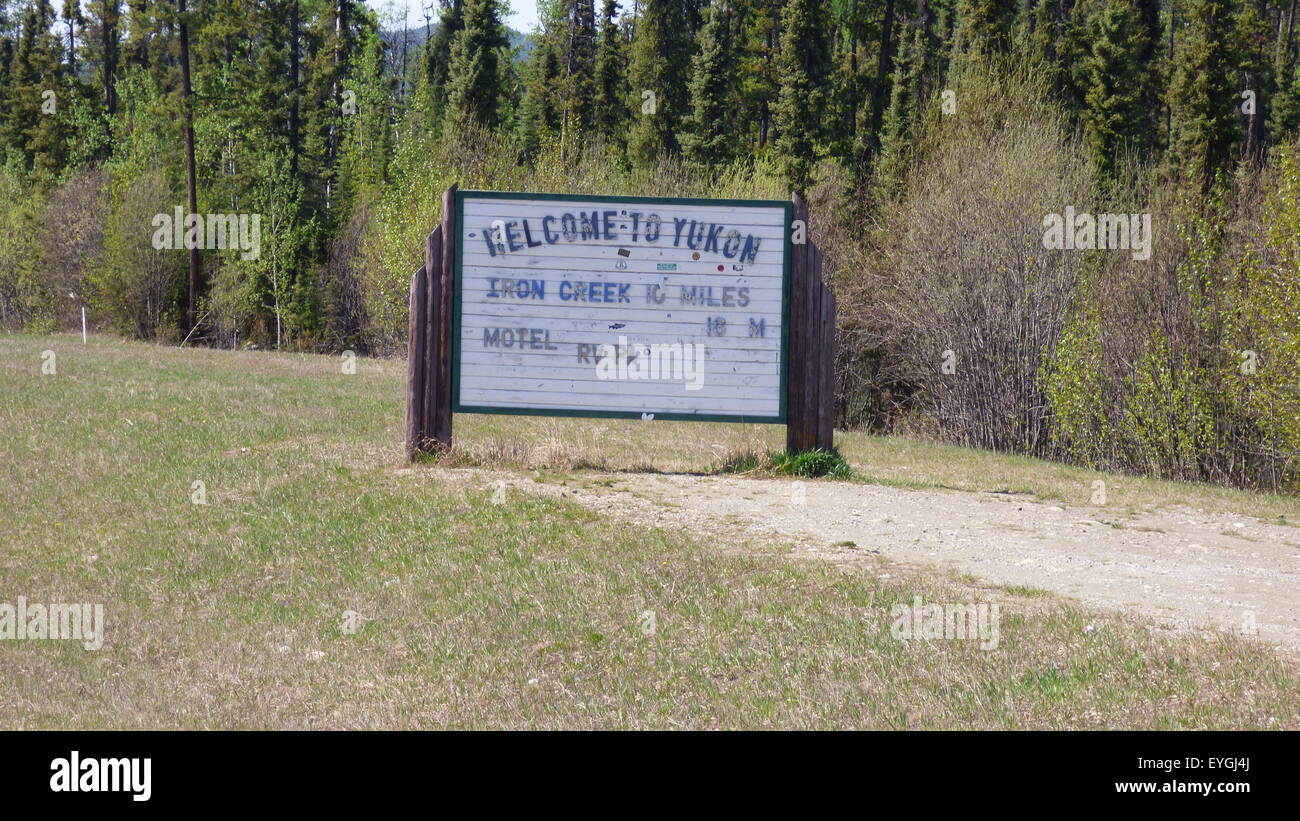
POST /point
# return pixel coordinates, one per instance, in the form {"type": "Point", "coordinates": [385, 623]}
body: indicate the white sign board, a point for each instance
{"type": "Point", "coordinates": [621, 306]}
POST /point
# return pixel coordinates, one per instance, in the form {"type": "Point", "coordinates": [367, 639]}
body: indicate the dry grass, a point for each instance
{"type": "Point", "coordinates": [527, 613]}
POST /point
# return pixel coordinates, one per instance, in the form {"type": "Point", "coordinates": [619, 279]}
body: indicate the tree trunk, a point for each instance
{"type": "Point", "coordinates": [294, 49]}
{"type": "Point", "coordinates": [187, 111]}
{"type": "Point", "coordinates": [882, 71]}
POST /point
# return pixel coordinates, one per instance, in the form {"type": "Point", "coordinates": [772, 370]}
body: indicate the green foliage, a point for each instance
{"type": "Point", "coordinates": [133, 285]}
{"type": "Point", "coordinates": [1072, 384]}
{"type": "Point", "coordinates": [610, 109]}
{"type": "Point", "coordinates": [436, 62]}
{"type": "Point", "coordinates": [1202, 98]}
{"type": "Point", "coordinates": [1113, 118]}
{"type": "Point", "coordinates": [657, 80]}
{"type": "Point", "coordinates": [26, 300]}
{"type": "Point", "coordinates": [985, 27]}
{"type": "Point", "coordinates": [904, 110]}
{"type": "Point", "coordinates": [710, 126]}
{"type": "Point", "coordinates": [812, 464]}
{"type": "Point", "coordinates": [474, 79]}
{"type": "Point", "coordinates": [807, 464]}
{"type": "Point", "coordinates": [805, 70]}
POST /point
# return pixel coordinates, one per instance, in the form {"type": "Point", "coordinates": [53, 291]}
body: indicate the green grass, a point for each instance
{"type": "Point", "coordinates": [519, 612]}
{"type": "Point", "coordinates": [809, 464]}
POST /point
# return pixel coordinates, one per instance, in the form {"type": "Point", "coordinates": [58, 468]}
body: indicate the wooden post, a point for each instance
{"type": "Point", "coordinates": [432, 262]}
{"type": "Point", "coordinates": [826, 386]}
{"type": "Point", "coordinates": [429, 344]}
{"type": "Point", "coordinates": [794, 366]}
{"type": "Point", "coordinates": [810, 384]}
{"type": "Point", "coordinates": [439, 386]}
{"type": "Point", "coordinates": [416, 323]}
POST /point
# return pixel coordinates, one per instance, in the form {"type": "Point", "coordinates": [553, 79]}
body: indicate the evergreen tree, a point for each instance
{"type": "Point", "coordinates": [72, 20]}
{"type": "Point", "coordinates": [1202, 99]}
{"type": "Point", "coordinates": [539, 115]}
{"type": "Point", "coordinates": [984, 27]}
{"type": "Point", "coordinates": [710, 126]}
{"type": "Point", "coordinates": [904, 108]}
{"type": "Point", "coordinates": [1039, 37]}
{"type": "Point", "coordinates": [853, 81]}
{"type": "Point", "coordinates": [1253, 76]}
{"type": "Point", "coordinates": [333, 40]}
{"type": "Point", "coordinates": [36, 88]}
{"type": "Point", "coordinates": [141, 31]}
{"type": "Point", "coordinates": [805, 70]}
{"type": "Point", "coordinates": [1284, 117]}
{"type": "Point", "coordinates": [880, 86]}
{"type": "Point", "coordinates": [760, 75]}
{"type": "Point", "coordinates": [474, 76]}
{"type": "Point", "coordinates": [1113, 116]}
{"type": "Point", "coordinates": [610, 110]}
{"type": "Point", "coordinates": [437, 59]}
{"type": "Point", "coordinates": [661, 55]}
{"type": "Point", "coordinates": [103, 48]}
{"type": "Point", "coordinates": [578, 86]}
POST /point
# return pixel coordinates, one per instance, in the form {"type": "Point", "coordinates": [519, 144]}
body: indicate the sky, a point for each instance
{"type": "Point", "coordinates": [522, 19]}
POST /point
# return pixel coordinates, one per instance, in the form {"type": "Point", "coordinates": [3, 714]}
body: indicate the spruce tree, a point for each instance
{"type": "Point", "coordinates": [1284, 117]}
{"type": "Point", "coordinates": [1113, 116]}
{"type": "Point", "coordinates": [539, 113]}
{"type": "Point", "coordinates": [904, 109]}
{"type": "Point", "coordinates": [610, 110]}
{"type": "Point", "coordinates": [36, 90]}
{"type": "Point", "coordinates": [984, 27]}
{"type": "Point", "coordinates": [578, 88]}
{"type": "Point", "coordinates": [1202, 99]}
{"type": "Point", "coordinates": [1040, 43]}
{"type": "Point", "coordinates": [805, 71]}
{"type": "Point", "coordinates": [141, 29]}
{"type": "Point", "coordinates": [103, 48]}
{"type": "Point", "coordinates": [333, 37]}
{"type": "Point", "coordinates": [436, 63]}
{"type": "Point", "coordinates": [709, 136]}
{"type": "Point", "coordinates": [474, 75]}
{"type": "Point", "coordinates": [760, 75]}
{"type": "Point", "coordinates": [661, 54]}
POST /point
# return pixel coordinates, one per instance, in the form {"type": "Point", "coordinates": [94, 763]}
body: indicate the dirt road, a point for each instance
{"type": "Point", "coordinates": [1184, 568]}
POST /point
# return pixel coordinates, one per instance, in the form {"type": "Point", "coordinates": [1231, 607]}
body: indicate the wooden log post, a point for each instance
{"type": "Point", "coordinates": [433, 263]}
{"type": "Point", "coordinates": [416, 324]}
{"type": "Point", "coordinates": [429, 343]}
{"type": "Point", "coordinates": [826, 384]}
{"type": "Point", "coordinates": [441, 307]}
{"type": "Point", "coordinates": [810, 384]}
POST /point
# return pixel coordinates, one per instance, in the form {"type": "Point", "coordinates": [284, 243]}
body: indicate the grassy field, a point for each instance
{"type": "Point", "coordinates": [529, 613]}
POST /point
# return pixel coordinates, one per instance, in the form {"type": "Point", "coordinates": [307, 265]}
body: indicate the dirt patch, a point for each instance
{"type": "Point", "coordinates": [1184, 568]}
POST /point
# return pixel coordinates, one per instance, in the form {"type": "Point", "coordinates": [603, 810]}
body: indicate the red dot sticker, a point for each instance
{"type": "Point", "coordinates": [721, 268]}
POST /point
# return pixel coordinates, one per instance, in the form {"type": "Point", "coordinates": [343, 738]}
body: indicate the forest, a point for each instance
{"type": "Point", "coordinates": [968, 163]}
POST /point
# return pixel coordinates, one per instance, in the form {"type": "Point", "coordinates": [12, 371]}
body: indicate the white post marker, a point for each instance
{"type": "Point", "coordinates": [83, 324]}
{"type": "Point", "coordinates": [631, 307]}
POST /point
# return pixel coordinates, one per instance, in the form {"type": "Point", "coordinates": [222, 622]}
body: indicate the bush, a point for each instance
{"type": "Point", "coordinates": [954, 297]}
{"type": "Point", "coordinates": [133, 285]}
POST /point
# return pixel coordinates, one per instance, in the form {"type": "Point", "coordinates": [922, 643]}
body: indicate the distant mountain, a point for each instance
{"type": "Point", "coordinates": [417, 34]}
